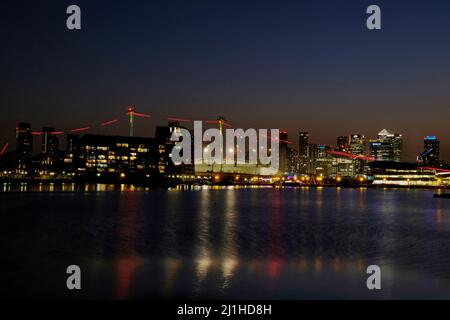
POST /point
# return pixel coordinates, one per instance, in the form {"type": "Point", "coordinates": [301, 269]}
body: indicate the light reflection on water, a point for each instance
{"type": "Point", "coordinates": [228, 243]}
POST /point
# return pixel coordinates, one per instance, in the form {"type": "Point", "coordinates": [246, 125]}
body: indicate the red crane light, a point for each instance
{"type": "Point", "coordinates": [350, 155]}
{"type": "Point", "coordinates": [80, 129]}
{"type": "Point", "coordinates": [107, 123]}
{"type": "Point", "coordinates": [178, 119]}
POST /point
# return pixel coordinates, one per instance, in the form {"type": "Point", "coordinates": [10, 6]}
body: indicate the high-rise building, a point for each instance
{"type": "Point", "coordinates": [24, 141]}
{"type": "Point", "coordinates": [72, 143]}
{"type": "Point", "coordinates": [343, 167]}
{"type": "Point", "coordinates": [293, 162]}
{"type": "Point", "coordinates": [313, 151]}
{"type": "Point", "coordinates": [303, 143]}
{"type": "Point", "coordinates": [303, 152]}
{"type": "Point", "coordinates": [165, 145]}
{"type": "Point", "coordinates": [324, 161]}
{"type": "Point", "coordinates": [49, 141]}
{"type": "Point", "coordinates": [342, 143]}
{"type": "Point", "coordinates": [397, 147]}
{"type": "Point", "coordinates": [72, 152]}
{"type": "Point", "coordinates": [357, 146]}
{"type": "Point", "coordinates": [430, 155]}
{"type": "Point", "coordinates": [387, 146]}
{"type": "Point", "coordinates": [283, 152]}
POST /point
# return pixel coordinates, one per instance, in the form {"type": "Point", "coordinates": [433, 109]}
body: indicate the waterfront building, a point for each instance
{"type": "Point", "coordinates": [343, 167]}
{"type": "Point", "coordinates": [115, 156]}
{"type": "Point", "coordinates": [402, 174]}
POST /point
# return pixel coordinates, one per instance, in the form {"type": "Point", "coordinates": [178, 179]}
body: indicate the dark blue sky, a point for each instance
{"type": "Point", "coordinates": [295, 65]}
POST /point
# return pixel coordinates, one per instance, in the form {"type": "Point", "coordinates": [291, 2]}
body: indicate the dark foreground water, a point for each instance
{"type": "Point", "coordinates": [227, 243]}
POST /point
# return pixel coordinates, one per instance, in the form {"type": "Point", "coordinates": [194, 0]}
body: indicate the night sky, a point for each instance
{"type": "Point", "coordinates": [294, 65]}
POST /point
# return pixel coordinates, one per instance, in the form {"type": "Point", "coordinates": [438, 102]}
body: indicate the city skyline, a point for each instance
{"type": "Point", "coordinates": [103, 128]}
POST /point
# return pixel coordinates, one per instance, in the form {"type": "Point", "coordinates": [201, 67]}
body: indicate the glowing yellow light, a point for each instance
{"type": "Point", "coordinates": [122, 175]}
{"type": "Point", "coordinates": [338, 179]}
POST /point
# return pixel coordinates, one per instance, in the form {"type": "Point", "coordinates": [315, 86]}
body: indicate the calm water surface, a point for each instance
{"type": "Point", "coordinates": [229, 243]}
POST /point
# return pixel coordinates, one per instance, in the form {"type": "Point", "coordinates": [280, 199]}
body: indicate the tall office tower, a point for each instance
{"type": "Point", "coordinates": [293, 162]}
{"type": "Point", "coordinates": [430, 155]}
{"type": "Point", "coordinates": [283, 152]}
{"type": "Point", "coordinates": [72, 143]}
{"type": "Point", "coordinates": [387, 146]}
{"type": "Point", "coordinates": [49, 141]}
{"type": "Point", "coordinates": [71, 156]}
{"type": "Point", "coordinates": [324, 161]}
{"type": "Point", "coordinates": [24, 140]}
{"type": "Point", "coordinates": [165, 145]}
{"type": "Point", "coordinates": [358, 146]}
{"type": "Point", "coordinates": [313, 151]}
{"type": "Point", "coordinates": [342, 143]}
{"type": "Point", "coordinates": [303, 143]}
{"type": "Point", "coordinates": [303, 152]}
{"type": "Point", "coordinates": [397, 147]}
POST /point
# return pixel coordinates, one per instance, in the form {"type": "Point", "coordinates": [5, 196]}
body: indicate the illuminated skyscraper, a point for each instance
{"type": "Point", "coordinates": [303, 142]}
{"type": "Point", "coordinates": [357, 146]}
{"type": "Point", "coordinates": [342, 143]}
{"type": "Point", "coordinates": [324, 161]}
{"type": "Point", "coordinates": [283, 152]}
{"type": "Point", "coordinates": [387, 146]}
{"type": "Point", "coordinates": [313, 151]}
{"type": "Point", "coordinates": [397, 147]}
{"type": "Point", "coordinates": [293, 162]}
{"type": "Point", "coordinates": [430, 155]}
{"type": "Point", "coordinates": [24, 140]}
{"type": "Point", "coordinates": [49, 141]}
{"type": "Point", "coordinates": [303, 152]}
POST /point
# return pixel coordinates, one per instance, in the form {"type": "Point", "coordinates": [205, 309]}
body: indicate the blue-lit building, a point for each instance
{"type": "Point", "coordinates": [387, 146]}
{"type": "Point", "coordinates": [430, 154]}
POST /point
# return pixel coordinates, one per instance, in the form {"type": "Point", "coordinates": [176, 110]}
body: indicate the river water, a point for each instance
{"type": "Point", "coordinates": [230, 243]}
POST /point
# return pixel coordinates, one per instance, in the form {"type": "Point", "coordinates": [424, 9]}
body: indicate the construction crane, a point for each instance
{"type": "Point", "coordinates": [132, 113]}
